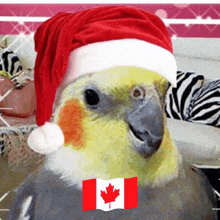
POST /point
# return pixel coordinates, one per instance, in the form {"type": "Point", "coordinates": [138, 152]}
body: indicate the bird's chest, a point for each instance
{"type": "Point", "coordinates": [54, 198]}
{"type": "Point", "coordinates": [66, 203]}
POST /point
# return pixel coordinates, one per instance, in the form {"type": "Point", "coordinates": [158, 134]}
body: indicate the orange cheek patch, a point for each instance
{"type": "Point", "coordinates": [70, 121]}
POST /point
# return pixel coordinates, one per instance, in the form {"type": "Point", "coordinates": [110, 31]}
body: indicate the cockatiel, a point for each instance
{"type": "Point", "coordinates": [114, 127]}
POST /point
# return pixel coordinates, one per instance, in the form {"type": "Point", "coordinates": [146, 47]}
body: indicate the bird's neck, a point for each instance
{"type": "Point", "coordinates": [164, 165]}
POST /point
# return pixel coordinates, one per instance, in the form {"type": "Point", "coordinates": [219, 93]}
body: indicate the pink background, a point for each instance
{"type": "Point", "coordinates": [180, 11]}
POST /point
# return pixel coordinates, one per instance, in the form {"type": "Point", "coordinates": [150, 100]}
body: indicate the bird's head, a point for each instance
{"type": "Point", "coordinates": [114, 127]}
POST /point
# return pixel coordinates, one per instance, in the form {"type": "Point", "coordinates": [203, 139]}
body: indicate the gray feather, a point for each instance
{"type": "Point", "coordinates": [188, 197]}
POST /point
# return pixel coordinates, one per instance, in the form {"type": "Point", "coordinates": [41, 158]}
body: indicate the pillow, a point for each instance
{"type": "Point", "coordinates": [178, 98]}
{"type": "Point", "coordinates": [198, 143]}
{"type": "Point", "coordinates": [21, 101]}
{"type": "Point", "coordinates": [9, 62]}
{"type": "Point", "coordinates": [205, 105]}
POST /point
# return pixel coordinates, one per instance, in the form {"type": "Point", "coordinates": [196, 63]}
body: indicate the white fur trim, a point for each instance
{"type": "Point", "coordinates": [100, 56]}
{"type": "Point", "coordinates": [46, 138]}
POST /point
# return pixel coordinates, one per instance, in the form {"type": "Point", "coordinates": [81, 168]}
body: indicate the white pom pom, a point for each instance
{"type": "Point", "coordinates": [46, 138]}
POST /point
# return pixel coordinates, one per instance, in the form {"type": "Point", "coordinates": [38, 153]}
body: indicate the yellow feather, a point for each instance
{"type": "Point", "coordinates": [108, 149]}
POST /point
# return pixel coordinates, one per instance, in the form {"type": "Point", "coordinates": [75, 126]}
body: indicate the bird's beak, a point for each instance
{"type": "Point", "coordinates": [145, 120]}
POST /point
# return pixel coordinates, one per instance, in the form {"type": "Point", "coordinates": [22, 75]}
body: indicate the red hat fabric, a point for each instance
{"type": "Point", "coordinates": [56, 38]}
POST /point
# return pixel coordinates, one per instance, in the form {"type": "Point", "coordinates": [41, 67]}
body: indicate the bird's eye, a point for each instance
{"type": "Point", "coordinates": [137, 92]}
{"type": "Point", "coordinates": [91, 97]}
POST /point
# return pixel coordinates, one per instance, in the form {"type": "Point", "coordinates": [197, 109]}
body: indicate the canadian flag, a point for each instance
{"type": "Point", "coordinates": [120, 193]}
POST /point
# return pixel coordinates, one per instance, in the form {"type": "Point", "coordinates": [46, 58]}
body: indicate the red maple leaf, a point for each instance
{"type": "Point", "coordinates": [111, 195]}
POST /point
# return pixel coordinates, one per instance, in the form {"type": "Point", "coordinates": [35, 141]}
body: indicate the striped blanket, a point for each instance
{"type": "Point", "coordinates": [194, 100]}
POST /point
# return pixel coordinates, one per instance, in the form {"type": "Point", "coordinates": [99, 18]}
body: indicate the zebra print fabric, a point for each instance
{"type": "Point", "coordinates": [205, 105]}
{"type": "Point", "coordinates": [178, 98]}
{"type": "Point", "coordinates": [9, 62]}
{"type": "Point", "coordinates": [192, 101]}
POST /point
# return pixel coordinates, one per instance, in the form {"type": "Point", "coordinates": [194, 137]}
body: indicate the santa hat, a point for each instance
{"type": "Point", "coordinates": [72, 44]}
